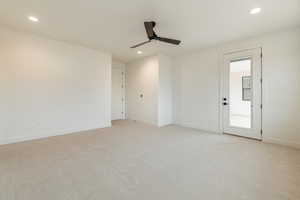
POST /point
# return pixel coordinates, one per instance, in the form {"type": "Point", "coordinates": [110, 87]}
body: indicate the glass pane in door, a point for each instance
{"type": "Point", "coordinates": [240, 93]}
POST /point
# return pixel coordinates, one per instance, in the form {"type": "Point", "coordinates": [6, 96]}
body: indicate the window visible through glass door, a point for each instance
{"type": "Point", "coordinates": [240, 93]}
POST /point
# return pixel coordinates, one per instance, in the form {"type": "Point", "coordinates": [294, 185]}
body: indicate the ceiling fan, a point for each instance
{"type": "Point", "coordinates": [149, 26]}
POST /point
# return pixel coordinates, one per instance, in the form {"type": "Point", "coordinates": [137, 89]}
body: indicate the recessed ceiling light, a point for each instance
{"type": "Point", "coordinates": [33, 19]}
{"type": "Point", "coordinates": [255, 11]}
{"type": "Point", "coordinates": [139, 52]}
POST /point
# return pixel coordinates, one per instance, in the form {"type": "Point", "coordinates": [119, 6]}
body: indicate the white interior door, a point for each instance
{"type": "Point", "coordinates": [117, 94]}
{"type": "Point", "coordinates": [242, 93]}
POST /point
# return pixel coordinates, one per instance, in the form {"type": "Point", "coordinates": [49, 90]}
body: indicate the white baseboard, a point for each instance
{"type": "Point", "coordinates": [143, 121]}
{"type": "Point", "coordinates": [164, 124]}
{"type": "Point", "coordinates": [266, 140]}
{"type": "Point", "coordinates": [282, 142]}
{"type": "Point", "coordinates": [47, 135]}
{"type": "Point", "coordinates": [197, 128]}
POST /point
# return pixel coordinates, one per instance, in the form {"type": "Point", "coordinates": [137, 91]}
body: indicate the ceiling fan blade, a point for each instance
{"type": "Point", "coordinates": [135, 46]}
{"type": "Point", "coordinates": [168, 40]}
{"type": "Point", "coordinates": [149, 29]}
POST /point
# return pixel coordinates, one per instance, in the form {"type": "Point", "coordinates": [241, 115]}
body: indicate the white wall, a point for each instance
{"type": "Point", "coordinates": [196, 90]}
{"type": "Point", "coordinates": [197, 86]}
{"type": "Point", "coordinates": [152, 77]}
{"type": "Point", "coordinates": [165, 100]}
{"type": "Point", "coordinates": [50, 88]}
{"type": "Point", "coordinates": [142, 78]}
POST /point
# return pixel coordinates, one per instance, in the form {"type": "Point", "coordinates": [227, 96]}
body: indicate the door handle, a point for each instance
{"type": "Point", "coordinates": [225, 104]}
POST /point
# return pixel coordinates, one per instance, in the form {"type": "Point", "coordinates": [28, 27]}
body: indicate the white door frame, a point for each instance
{"type": "Point", "coordinates": [123, 89]}
{"type": "Point", "coordinates": [222, 85]}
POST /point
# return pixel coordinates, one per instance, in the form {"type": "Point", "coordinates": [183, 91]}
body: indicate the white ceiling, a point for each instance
{"type": "Point", "coordinates": [115, 25]}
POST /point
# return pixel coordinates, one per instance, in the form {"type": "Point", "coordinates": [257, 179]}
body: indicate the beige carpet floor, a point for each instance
{"type": "Point", "coordinates": [134, 161]}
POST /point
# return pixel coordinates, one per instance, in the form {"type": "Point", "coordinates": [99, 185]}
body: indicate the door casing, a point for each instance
{"type": "Point", "coordinates": [118, 94]}
{"type": "Point", "coordinates": [235, 55]}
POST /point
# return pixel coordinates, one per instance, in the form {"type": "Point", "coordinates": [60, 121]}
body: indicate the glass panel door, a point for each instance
{"type": "Point", "coordinates": [240, 93]}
